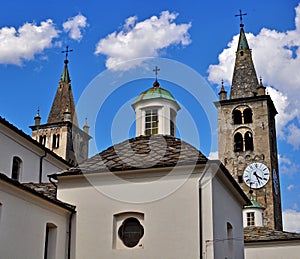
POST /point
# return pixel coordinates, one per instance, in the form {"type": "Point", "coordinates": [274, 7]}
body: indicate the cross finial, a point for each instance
{"type": "Point", "coordinates": [67, 52]}
{"type": "Point", "coordinates": [241, 14]}
{"type": "Point", "coordinates": [156, 70]}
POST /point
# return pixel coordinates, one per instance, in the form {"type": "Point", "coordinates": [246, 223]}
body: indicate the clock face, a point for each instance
{"type": "Point", "coordinates": [256, 175]}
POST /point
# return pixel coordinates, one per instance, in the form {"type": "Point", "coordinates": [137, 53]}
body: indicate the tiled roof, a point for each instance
{"type": "Point", "coordinates": [141, 152]}
{"type": "Point", "coordinates": [47, 189]}
{"type": "Point", "coordinates": [264, 234]}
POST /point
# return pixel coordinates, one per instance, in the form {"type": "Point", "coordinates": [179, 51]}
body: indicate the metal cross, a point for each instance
{"type": "Point", "coordinates": [241, 16]}
{"type": "Point", "coordinates": [67, 51]}
{"type": "Point", "coordinates": [156, 70]}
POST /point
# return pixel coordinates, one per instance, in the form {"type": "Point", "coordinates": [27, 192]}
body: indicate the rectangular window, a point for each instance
{"type": "Point", "coordinates": [50, 241]}
{"type": "Point", "coordinates": [250, 219]}
{"type": "Point", "coordinates": [151, 122]}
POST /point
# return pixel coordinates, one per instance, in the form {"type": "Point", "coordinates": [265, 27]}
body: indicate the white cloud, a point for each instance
{"type": "Point", "coordinates": [143, 39]}
{"type": "Point", "coordinates": [17, 45]}
{"type": "Point", "coordinates": [291, 187]}
{"type": "Point", "coordinates": [293, 135]}
{"type": "Point", "coordinates": [74, 25]}
{"type": "Point", "coordinates": [276, 57]}
{"type": "Point", "coordinates": [213, 155]}
{"type": "Point", "coordinates": [291, 220]}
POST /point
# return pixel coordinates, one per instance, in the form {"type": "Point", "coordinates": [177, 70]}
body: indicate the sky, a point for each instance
{"type": "Point", "coordinates": [116, 44]}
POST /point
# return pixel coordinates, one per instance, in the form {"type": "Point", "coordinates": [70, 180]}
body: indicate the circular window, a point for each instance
{"type": "Point", "coordinates": [130, 232]}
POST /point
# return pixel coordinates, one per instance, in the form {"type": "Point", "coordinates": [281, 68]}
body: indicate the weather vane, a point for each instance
{"type": "Point", "coordinates": [156, 70]}
{"type": "Point", "coordinates": [67, 51]}
{"type": "Point", "coordinates": [241, 14]}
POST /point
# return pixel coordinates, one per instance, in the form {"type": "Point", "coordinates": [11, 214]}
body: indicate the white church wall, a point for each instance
{"type": "Point", "coordinates": [171, 224]}
{"type": "Point", "coordinates": [14, 145]}
{"type": "Point", "coordinates": [279, 249]}
{"type": "Point", "coordinates": [23, 223]}
{"type": "Point", "coordinates": [228, 224]}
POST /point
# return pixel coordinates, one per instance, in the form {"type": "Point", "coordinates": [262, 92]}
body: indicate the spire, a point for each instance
{"type": "Point", "coordinates": [223, 93]}
{"type": "Point", "coordinates": [244, 80]}
{"type": "Point", "coordinates": [63, 96]}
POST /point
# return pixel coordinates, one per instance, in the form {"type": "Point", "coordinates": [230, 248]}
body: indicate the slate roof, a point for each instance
{"type": "Point", "coordinates": [47, 189]}
{"type": "Point", "coordinates": [141, 152]}
{"type": "Point", "coordinates": [264, 234]}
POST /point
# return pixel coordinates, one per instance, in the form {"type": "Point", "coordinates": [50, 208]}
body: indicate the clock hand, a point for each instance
{"type": "Point", "coordinates": [257, 177]}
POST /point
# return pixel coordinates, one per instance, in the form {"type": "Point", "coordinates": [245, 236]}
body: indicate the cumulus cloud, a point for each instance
{"type": "Point", "coordinates": [74, 25]}
{"type": "Point", "coordinates": [142, 39]}
{"type": "Point", "coordinates": [276, 56]}
{"type": "Point", "coordinates": [17, 45]}
{"type": "Point", "coordinates": [291, 220]}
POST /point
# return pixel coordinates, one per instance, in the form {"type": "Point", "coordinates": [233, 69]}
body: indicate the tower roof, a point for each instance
{"type": "Point", "coordinates": [244, 80]}
{"type": "Point", "coordinates": [63, 99]}
{"type": "Point", "coordinates": [155, 92]}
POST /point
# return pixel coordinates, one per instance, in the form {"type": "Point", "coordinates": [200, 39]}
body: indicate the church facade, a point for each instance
{"type": "Point", "coordinates": [154, 195]}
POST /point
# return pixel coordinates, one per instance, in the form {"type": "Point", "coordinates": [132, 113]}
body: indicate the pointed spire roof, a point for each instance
{"type": "Point", "coordinates": [63, 99]}
{"type": "Point", "coordinates": [244, 80]}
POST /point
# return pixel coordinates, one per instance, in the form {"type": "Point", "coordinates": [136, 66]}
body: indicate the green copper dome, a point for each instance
{"type": "Point", "coordinates": [254, 204]}
{"type": "Point", "coordinates": [155, 92]}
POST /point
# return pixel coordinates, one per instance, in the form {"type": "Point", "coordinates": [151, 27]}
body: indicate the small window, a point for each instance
{"type": "Point", "coordinates": [247, 114]}
{"type": "Point", "coordinates": [240, 179]}
{"type": "Point", "coordinates": [16, 168]}
{"type": "Point", "coordinates": [130, 232]}
{"type": "Point", "coordinates": [55, 141]}
{"type": "Point", "coordinates": [238, 142]}
{"type": "Point", "coordinates": [237, 116]}
{"type": "Point", "coordinates": [248, 141]}
{"type": "Point", "coordinates": [151, 122]}
{"type": "Point", "coordinates": [50, 241]}
{"type": "Point", "coordinates": [250, 219]}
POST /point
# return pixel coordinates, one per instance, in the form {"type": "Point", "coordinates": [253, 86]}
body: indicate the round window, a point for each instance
{"type": "Point", "coordinates": [130, 232]}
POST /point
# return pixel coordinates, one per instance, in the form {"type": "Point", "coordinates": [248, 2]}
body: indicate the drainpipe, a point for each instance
{"type": "Point", "coordinates": [200, 222]}
{"type": "Point", "coordinates": [41, 167]}
{"type": "Point", "coordinates": [70, 234]}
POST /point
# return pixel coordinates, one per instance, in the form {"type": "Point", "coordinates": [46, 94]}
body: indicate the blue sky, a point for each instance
{"type": "Point", "coordinates": [189, 40]}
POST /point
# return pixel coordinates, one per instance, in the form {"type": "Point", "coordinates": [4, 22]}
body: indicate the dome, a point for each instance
{"type": "Point", "coordinates": [155, 92]}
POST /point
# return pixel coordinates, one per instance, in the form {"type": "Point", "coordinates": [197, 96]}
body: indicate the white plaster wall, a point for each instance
{"type": "Point", "coordinates": [12, 144]}
{"type": "Point", "coordinates": [171, 223]}
{"type": "Point", "coordinates": [23, 222]}
{"type": "Point", "coordinates": [274, 250]}
{"type": "Point", "coordinates": [227, 209]}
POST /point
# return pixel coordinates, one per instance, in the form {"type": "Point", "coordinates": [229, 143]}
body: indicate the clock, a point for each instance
{"type": "Point", "coordinates": [256, 175]}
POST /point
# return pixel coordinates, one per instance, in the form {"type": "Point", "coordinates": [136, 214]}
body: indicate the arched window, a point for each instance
{"type": "Point", "coordinates": [42, 140]}
{"type": "Point", "coordinates": [16, 168]}
{"type": "Point", "coordinates": [230, 239]}
{"type": "Point", "coordinates": [248, 141]}
{"type": "Point", "coordinates": [238, 142]}
{"type": "Point", "coordinates": [55, 141]}
{"type": "Point", "coordinates": [247, 113]}
{"type": "Point", "coordinates": [237, 116]}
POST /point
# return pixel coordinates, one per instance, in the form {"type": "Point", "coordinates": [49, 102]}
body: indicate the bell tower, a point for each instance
{"type": "Point", "coordinates": [247, 135]}
{"type": "Point", "coordinates": [61, 133]}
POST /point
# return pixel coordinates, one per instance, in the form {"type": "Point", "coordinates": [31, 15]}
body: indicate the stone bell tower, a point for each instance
{"type": "Point", "coordinates": [247, 135]}
{"type": "Point", "coordinates": [61, 133]}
